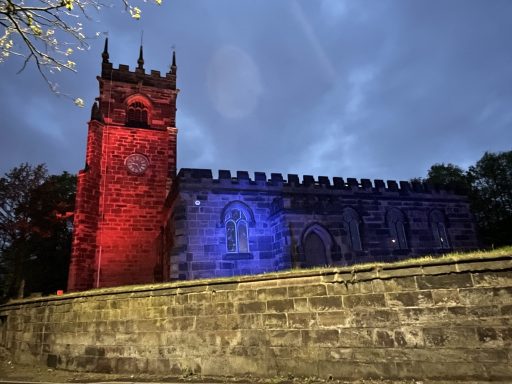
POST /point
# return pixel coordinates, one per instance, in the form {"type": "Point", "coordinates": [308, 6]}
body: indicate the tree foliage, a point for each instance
{"type": "Point", "coordinates": [488, 185]}
{"type": "Point", "coordinates": [448, 175]}
{"type": "Point", "coordinates": [35, 235]}
{"type": "Point", "coordinates": [491, 196]}
{"type": "Point", "coordinates": [47, 32]}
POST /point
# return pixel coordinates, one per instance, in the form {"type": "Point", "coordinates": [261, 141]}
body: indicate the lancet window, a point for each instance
{"type": "Point", "coordinates": [438, 227]}
{"type": "Point", "coordinates": [351, 223]}
{"type": "Point", "coordinates": [396, 223]}
{"type": "Point", "coordinates": [236, 217]}
{"type": "Point", "coordinates": [137, 115]}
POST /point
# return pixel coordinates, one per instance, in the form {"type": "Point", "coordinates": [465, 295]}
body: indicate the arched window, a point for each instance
{"type": "Point", "coordinates": [317, 244]}
{"type": "Point", "coordinates": [137, 115]}
{"type": "Point", "coordinates": [438, 227]}
{"type": "Point", "coordinates": [396, 224]}
{"type": "Point", "coordinates": [236, 217]}
{"type": "Point", "coordinates": [351, 223]}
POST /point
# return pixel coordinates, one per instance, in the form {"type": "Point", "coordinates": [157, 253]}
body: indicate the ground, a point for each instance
{"type": "Point", "coordinates": [11, 372]}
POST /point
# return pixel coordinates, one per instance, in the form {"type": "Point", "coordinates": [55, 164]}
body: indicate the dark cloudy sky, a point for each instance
{"type": "Point", "coordinates": [361, 88]}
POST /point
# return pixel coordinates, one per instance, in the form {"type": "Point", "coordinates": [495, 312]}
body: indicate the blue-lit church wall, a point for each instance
{"type": "Point", "coordinates": [237, 225]}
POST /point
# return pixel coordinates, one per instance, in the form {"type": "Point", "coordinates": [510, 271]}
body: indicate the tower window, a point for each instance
{"type": "Point", "coordinates": [396, 223]}
{"type": "Point", "coordinates": [137, 115]}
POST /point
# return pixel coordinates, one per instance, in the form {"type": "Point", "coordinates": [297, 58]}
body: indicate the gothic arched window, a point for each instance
{"type": "Point", "coordinates": [236, 217]}
{"type": "Point", "coordinates": [137, 115]}
{"type": "Point", "coordinates": [351, 223]}
{"type": "Point", "coordinates": [438, 227]}
{"type": "Point", "coordinates": [396, 223]}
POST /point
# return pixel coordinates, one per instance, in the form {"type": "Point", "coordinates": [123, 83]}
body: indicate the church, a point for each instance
{"type": "Point", "coordinates": [137, 220]}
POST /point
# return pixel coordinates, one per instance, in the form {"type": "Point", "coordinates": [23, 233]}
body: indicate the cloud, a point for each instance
{"type": "Point", "coordinates": [378, 89]}
{"type": "Point", "coordinates": [234, 82]}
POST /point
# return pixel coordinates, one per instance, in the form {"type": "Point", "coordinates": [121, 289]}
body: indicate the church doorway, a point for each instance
{"type": "Point", "coordinates": [316, 244]}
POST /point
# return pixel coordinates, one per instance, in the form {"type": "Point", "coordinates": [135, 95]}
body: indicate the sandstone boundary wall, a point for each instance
{"type": "Point", "coordinates": [434, 319]}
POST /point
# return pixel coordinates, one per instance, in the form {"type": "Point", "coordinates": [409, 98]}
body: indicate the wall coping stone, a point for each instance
{"type": "Point", "coordinates": [350, 274]}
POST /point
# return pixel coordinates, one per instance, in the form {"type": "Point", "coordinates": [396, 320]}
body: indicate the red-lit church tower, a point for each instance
{"type": "Point", "coordinates": [130, 166]}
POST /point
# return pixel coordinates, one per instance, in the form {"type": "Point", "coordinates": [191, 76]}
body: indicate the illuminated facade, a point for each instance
{"type": "Point", "coordinates": [137, 221]}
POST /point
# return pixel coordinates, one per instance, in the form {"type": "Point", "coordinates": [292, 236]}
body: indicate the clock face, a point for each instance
{"type": "Point", "coordinates": [137, 163]}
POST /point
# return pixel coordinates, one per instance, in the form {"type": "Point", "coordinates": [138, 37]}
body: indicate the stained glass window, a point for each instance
{"type": "Point", "coordinates": [231, 236]}
{"type": "Point", "coordinates": [243, 245]}
{"type": "Point", "coordinates": [237, 232]}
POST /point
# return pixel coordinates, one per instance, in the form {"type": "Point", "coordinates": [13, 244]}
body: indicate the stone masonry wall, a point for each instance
{"type": "Point", "coordinates": [284, 210]}
{"type": "Point", "coordinates": [429, 319]}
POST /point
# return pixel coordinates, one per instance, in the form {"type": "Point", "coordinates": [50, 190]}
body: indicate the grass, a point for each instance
{"type": "Point", "coordinates": [428, 259]}
{"type": "Point", "coordinates": [472, 256]}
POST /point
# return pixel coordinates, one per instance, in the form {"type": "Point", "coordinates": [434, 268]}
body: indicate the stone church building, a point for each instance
{"type": "Point", "coordinates": [139, 221]}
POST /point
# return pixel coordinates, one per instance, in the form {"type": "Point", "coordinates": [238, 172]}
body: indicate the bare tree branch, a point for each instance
{"type": "Point", "coordinates": [46, 32]}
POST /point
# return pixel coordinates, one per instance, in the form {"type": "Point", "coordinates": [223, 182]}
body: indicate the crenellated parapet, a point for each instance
{"type": "Point", "coordinates": [307, 182]}
{"type": "Point", "coordinates": [152, 79]}
{"type": "Point", "coordinates": [138, 76]}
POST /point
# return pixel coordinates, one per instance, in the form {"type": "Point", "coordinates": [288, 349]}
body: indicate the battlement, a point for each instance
{"type": "Point", "coordinates": [124, 74]}
{"type": "Point", "coordinates": [138, 75]}
{"type": "Point", "coordinates": [195, 176]}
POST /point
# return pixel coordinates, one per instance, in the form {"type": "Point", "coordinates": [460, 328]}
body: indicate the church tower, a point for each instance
{"type": "Point", "coordinates": [130, 166]}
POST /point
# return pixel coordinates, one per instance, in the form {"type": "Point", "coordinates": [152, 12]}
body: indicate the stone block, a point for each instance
{"type": "Point", "coordinates": [285, 305]}
{"type": "Point", "coordinates": [493, 279]}
{"type": "Point", "coordinates": [159, 366]}
{"type": "Point", "coordinates": [410, 299]}
{"type": "Point", "coordinates": [355, 337]}
{"type": "Point", "coordinates": [451, 337]}
{"type": "Point", "coordinates": [285, 338]}
{"type": "Point", "coordinates": [446, 297]}
{"type": "Point", "coordinates": [371, 318]}
{"type": "Point", "coordinates": [242, 295]}
{"type": "Point", "coordinates": [489, 337]}
{"type": "Point", "coordinates": [275, 321]}
{"type": "Point", "coordinates": [453, 280]}
{"type": "Point", "coordinates": [486, 296]}
{"type": "Point", "coordinates": [250, 307]}
{"type": "Point", "coordinates": [271, 293]}
{"type": "Point", "coordinates": [209, 323]}
{"type": "Point", "coordinates": [307, 290]}
{"type": "Point", "coordinates": [185, 323]}
{"type": "Point", "coordinates": [301, 320]}
{"type": "Point", "coordinates": [244, 321]}
{"type": "Point", "coordinates": [384, 338]}
{"type": "Point", "coordinates": [501, 371]}
{"type": "Point", "coordinates": [409, 337]}
{"type": "Point", "coordinates": [320, 338]}
{"type": "Point", "coordinates": [333, 319]}
{"type": "Point", "coordinates": [325, 303]}
{"type": "Point", "coordinates": [365, 300]}
{"type": "Point", "coordinates": [203, 297]}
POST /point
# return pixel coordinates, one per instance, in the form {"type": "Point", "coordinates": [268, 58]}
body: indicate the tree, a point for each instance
{"type": "Point", "coordinates": [488, 185]}
{"type": "Point", "coordinates": [35, 236]}
{"type": "Point", "coordinates": [449, 176]}
{"type": "Point", "coordinates": [47, 32]}
{"type": "Point", "coordinates": [491, 196]}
